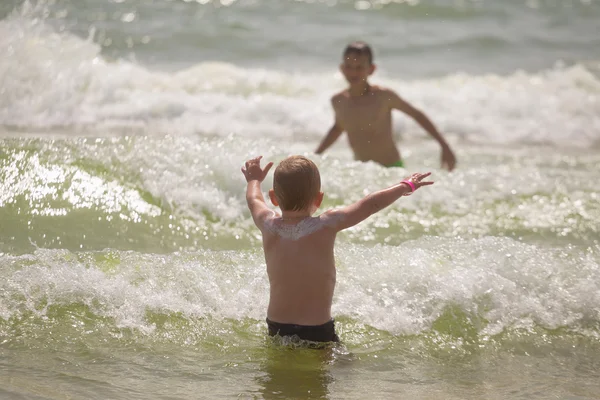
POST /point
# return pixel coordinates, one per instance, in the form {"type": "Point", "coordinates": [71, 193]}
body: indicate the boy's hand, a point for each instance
{"type": "Point", "coordinates": [252, 170]}
{"type": "Point", "coordinates": [448, 159]}
{"type": "Point", "coordinates": [417, 180]}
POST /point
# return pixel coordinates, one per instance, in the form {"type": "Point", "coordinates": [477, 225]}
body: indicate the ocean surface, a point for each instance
{"type": "Point", "coordinates": [129, 264]}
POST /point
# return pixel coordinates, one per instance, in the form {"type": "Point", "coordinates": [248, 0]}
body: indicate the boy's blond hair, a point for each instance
{"type": "Point", "coordinates": [296, 183]}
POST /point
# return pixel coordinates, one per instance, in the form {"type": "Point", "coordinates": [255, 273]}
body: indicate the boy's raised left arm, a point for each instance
{"type": "Point", "coordinates": [396, 102]}
{"type": "Point", "coordinates": [254, 175]}
{"type": "Point", "coordinates": [355, 213]}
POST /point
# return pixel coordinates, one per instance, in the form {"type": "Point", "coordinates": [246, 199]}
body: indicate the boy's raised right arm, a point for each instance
{"type": "Point", "coordinates": [353, 214]}
{"type": "Point", "coordinates": [254, 175]}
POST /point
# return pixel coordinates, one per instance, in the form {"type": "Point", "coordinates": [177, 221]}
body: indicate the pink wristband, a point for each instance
{"type": "Point", "coordinates": [412, 187]}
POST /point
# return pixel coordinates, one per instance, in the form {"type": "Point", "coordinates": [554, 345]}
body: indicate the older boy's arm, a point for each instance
{"type": "Point", "coordinates": [398, 103]}
{"type": "Point", "coordinates": [374, 202]}
{"type": "Point", "coordinates": [333, 134]}
{"type": "Point", "coordinates": [256, 203]}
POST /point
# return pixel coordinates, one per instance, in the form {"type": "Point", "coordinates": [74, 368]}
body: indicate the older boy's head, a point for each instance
{"type": "Point", "coordinates": [359, 50]}
{"type": "Point", "coordinates": [296, 183]}
{"type": "Point", "coordinates": [357, 64]}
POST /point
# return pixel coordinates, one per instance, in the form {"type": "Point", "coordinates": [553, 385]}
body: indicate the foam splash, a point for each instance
{"type": "Point", "coordinates": [498, 284]}
{"type": "Point", "coordinates": [114, 285]}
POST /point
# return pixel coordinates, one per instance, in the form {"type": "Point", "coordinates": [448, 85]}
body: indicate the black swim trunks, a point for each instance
{"type": "Point", "coordinates": [313, 333]}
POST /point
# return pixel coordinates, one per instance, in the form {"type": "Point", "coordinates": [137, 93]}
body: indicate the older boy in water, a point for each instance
{"type": "Point", "coordinates": [364, 112]}
{"type": "Point", "coordinates": [299, 247]}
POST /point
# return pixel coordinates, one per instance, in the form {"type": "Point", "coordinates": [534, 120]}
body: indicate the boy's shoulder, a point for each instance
{"type": "Point", "coordinates": [382, 90]}
{"type": "Point", "coordinates": [322, 223]}
{"type": "Point", "coordinates": [376, 89]}
{"type": "Point", "coordinates": [340, 95]}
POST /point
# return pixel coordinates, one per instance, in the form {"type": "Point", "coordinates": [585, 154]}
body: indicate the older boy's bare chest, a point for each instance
{"type": "Point", "coordinates": [367, 112]}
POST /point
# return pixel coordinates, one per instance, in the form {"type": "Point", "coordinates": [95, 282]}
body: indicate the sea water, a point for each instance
{"type": "Point", "coordinates": [131, 268]}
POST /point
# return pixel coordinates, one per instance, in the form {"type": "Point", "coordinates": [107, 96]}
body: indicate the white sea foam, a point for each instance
{"type": "Point", "coordinates": [498, 282]}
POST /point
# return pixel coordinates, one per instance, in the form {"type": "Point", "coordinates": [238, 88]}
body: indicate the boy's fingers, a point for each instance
{"type": "Point", "coordinates": [253, 160]}
{"type": "Point", "coordinates": [425, 183]}
{"type": "Point", "coordinates": [268, 167]}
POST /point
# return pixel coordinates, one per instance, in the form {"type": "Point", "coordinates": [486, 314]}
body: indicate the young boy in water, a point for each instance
{"type": "Point", "coordinates": [364, 112]}
{"type": "Point", "coordinates": [299, 247]}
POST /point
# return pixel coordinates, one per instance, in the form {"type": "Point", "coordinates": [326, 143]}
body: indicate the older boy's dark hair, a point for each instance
{"type": "Point", "coordinates": [359, 48]}
{"type": "Point", "coordinates": [296, 183]}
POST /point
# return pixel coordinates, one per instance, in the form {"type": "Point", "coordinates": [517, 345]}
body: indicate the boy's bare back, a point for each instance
{"type": "Point", "coordinates": [301, 269]}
